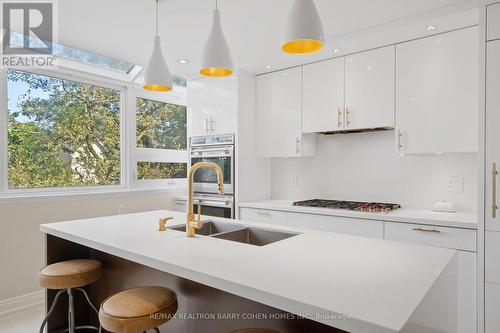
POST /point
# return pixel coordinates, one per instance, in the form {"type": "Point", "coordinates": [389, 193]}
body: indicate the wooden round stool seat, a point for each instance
{"type": "Point", "coordinates": [138, 309]}
{"type": "Point", "coordinates": [256, 330]}
{"type": "Point", "coordinates": [70, 274]}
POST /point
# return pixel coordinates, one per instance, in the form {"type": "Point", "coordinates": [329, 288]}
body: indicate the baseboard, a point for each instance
{"type": "Point", "coordinates": [21, 302]}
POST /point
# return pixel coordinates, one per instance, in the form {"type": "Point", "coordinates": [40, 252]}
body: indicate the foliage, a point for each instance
{"type": "Point", "coordinates": [69, 138]}
{"type": "Point", "coordinates": [160, 125]}
{"type": "Point", "coordinates": [67, 133]}
{"type": "Point", "coordinates": [159, 170]}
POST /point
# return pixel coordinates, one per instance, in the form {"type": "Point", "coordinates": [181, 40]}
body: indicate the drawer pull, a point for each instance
{"type": "Point", "coordinates": [427, 230]}
{"type": "Point", "coordinates": [494, 206]}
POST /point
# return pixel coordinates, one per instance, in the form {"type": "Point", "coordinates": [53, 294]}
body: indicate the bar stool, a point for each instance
{"type": "Point", "coordinates": [138, 309]}
{"type": "Point", "coordinates": [69, 276]}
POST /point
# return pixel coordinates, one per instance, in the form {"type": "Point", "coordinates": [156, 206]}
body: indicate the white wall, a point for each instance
{"type": "Point", "coordinates": [22, 244]}
{"type": "Point", "coordinates": [365, 167]}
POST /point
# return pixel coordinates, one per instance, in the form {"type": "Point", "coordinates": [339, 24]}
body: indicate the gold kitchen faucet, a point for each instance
{"type": "Point", "coordinates": [191, 224]}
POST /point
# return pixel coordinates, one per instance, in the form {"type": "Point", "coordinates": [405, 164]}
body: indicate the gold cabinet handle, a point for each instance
{"type": "Point", "coordinates": [494, 206]}
{"type": "Point", "coordinates": [347, 117]}
{"type": "Point", "coordinates": [339, 118]}
{"type": "Point", "coordinates": [427, 230]}
{"type": "Point", "coordinates": [163, 222]}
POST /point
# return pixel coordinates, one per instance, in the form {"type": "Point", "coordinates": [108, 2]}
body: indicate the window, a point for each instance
{"type": "Point", "coordinates": [77, 55]}
{"type": "Point", "coordinates": [160, 170]}
{"type": "Point", "coordinates": [160, 125]}
{"type": "Point", "coordinates": [160, 138]}
{"type": "Point", "coordinates": [61, 133]}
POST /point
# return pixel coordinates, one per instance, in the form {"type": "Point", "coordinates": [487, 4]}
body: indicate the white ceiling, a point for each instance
{"type": "Point", "coordinates": [124, 29]}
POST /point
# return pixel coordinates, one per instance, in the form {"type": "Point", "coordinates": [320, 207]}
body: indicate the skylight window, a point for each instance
{"type": "Point", "coordinates": [77, 55]}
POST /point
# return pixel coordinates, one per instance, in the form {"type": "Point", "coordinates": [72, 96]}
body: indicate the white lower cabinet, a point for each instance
{"type": "Point", "coordinates": [342, 225]}
{"type": "Point", "coordinates": [463, 240]}
{"type": "Point", "coordinates": [492, 257]}
{"type": "Point", "coordinates": [492, 306]}
{"type": "Point", "coordinates": [452, 238]}
{"type": "Point", "coordinates": [263, 216]}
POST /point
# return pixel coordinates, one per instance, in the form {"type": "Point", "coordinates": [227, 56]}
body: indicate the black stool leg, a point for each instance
{"type": "Point", "coordinates": [72, 328]}
{"type": "Point", "coordinates": [91, 305]}
{"type": "Point", "coordinates": [71, 312]}
{"type": "Point", "coordinates": [50, 310]}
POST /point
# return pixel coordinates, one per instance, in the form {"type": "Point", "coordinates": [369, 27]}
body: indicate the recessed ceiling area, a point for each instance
{"type": "Point", "coordinates": [124, 29]}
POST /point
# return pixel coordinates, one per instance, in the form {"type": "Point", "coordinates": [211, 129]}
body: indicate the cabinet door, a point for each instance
{"type": "Point", "coordinates": [263, 216]}
{"type": "Point", "coordinates": [492, 306]}
{"type": "Point", "coordinates": [492, 134]}
{"type": "Point", "coordinates": [323, 94]}
{"type": "Point", "coordinates": [212, 104]}
{"type": "Point", "coordinates": [493, 21]}
{"type": "Point", "coordinates": [437, 93]}
{"type": "Point", "coordinates": [492, 257]}
{"type": "Point", "coordinates": [279, 113]}
{"type": "Point", "coordinates": [467, 307]}
{"type": "Point", "coordinates": [454, 238]}
{"type": "Point", "coordinates": [341, 225]}
{"type": "Point", "coordinates": [369, 89]}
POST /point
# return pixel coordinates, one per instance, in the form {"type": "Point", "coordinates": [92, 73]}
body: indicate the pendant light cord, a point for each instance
{"type": "Point", "coordinates": [157, 2]}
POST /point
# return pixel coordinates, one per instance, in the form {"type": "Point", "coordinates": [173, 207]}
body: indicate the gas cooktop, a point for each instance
{"type": "Point", "coordinates": [349, 205]}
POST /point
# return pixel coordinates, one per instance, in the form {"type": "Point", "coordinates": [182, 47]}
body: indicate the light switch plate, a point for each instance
{"type": "Point", "coordinates": [455, 184]}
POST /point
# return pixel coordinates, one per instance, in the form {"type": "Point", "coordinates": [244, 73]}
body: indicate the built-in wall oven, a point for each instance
{"type": "Point", "coordinates": [218, 149]}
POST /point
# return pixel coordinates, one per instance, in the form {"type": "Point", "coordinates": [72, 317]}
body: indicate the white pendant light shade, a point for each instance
{"type": "Point", "coordinates": [216, 59]}
{"type": "Point", "coordinates": [157, 76]}
{"type": "Point", "coordinates": [304, 30]}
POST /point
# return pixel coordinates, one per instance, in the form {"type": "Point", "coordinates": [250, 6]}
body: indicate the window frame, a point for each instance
{"type": "Point", "coordinates": [129, 153]}
{"type": "Point", "coordinates": [152, 154]}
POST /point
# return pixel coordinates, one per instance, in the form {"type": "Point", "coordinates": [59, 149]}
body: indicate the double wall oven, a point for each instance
{"type": "Point", "coordinates": [218, 149]}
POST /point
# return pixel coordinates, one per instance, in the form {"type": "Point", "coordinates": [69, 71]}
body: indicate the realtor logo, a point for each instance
{"type": "Point", "coordinates": [28, 29]}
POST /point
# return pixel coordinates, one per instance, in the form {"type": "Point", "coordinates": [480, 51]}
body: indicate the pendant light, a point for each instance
{"type": "Point", "coordinates": [304, 30]}
{"type": "Point", "coordinates": [216, 59]}
{"type": "Point", "coordinates": [157, 76]}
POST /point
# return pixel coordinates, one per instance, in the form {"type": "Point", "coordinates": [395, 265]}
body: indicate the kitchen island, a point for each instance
{"type": "Point", "coordinates": [312, 282]}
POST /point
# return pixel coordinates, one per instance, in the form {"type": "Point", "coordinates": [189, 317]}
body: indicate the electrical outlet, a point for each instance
{"type": "Point", "coordinates": [455, 184]}
{"type": "Point", "coordinates": [295, 180]}
{"type": "Point", "coordinates": [121, 209]}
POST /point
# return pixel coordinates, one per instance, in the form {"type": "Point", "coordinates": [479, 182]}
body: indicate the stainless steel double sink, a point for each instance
{"type": "Point", "coordinates": [238, 233]}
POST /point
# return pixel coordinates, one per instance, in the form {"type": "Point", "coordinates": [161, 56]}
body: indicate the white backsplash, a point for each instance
{"type": "Point", "coordinates": [366, 167]}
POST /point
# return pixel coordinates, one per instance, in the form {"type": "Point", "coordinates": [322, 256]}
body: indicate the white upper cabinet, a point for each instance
{"type": "Point", "coordinates": [323, 94]}
{"type": "Point", "coordinates": [279, 116]}
{"type": "Point", "coordinates": [212, 105]}
{"type": "Point", "coordinates": [493, 21]}
{"type": "Point", "coordinates": [437, 93]}
{"type": "Point", "coordinates": [369, 89]}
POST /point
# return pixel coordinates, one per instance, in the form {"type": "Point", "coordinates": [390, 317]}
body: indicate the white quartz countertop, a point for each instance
{"type": "Point", "coordinates": [378, 284]}
{"type": "Point", "coordinates": [407, 215]}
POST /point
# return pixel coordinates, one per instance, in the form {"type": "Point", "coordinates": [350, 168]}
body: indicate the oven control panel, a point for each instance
{"type": "Point", "coordinates": [210, 140]}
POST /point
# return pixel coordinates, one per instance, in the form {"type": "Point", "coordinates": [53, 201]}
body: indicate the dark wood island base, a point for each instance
{"type": "Point", "coordinates": [202, 309]}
